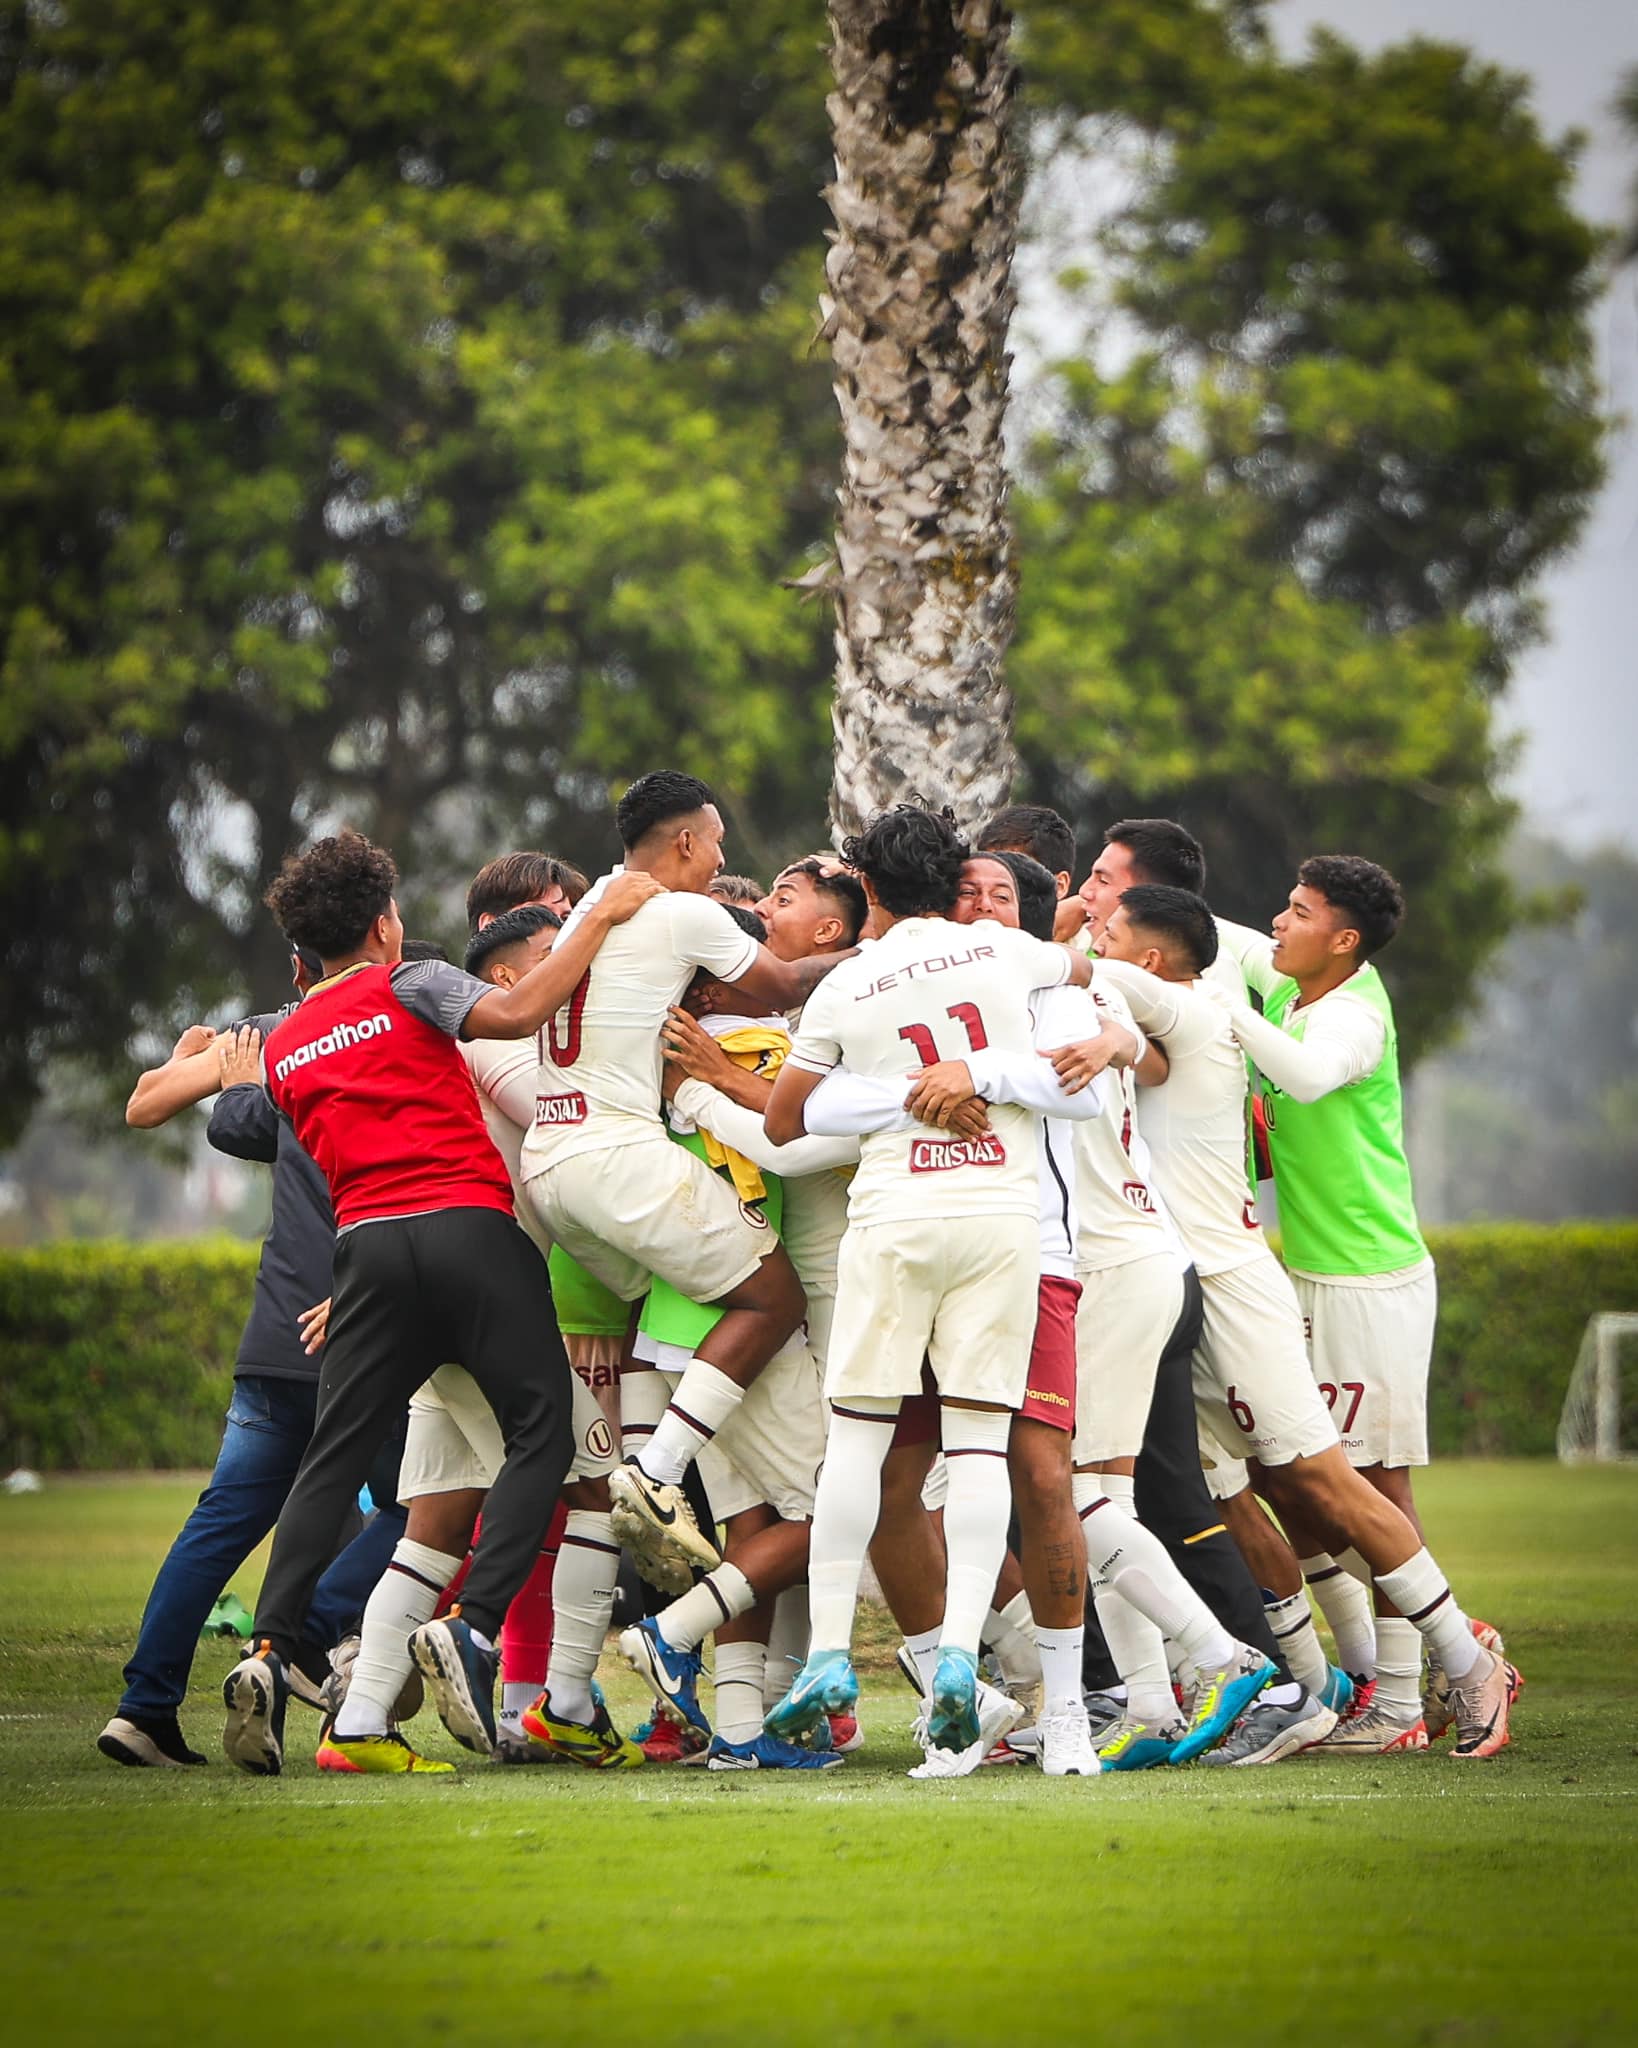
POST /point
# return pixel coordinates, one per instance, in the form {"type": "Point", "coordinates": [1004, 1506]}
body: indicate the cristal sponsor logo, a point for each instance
{"type": "Point", "coordinates": [1139, 1196]}
{"type": "Point", "coordinates": [939, 1155]}
{"type": "Point", "coordinates": [560, 1109]}
{"type": "Point", "coordinates": [335, 1040]}
{"type": "Point", "coordinates": [939, 964]}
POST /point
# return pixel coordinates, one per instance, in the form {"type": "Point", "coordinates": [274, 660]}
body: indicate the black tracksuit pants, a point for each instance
{"type": "Point", "coordinates": [1173, 1500]}
{"type": "Point", "coordinates": [453, 1286]}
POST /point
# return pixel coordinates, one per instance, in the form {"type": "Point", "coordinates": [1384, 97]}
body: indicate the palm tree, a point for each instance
{"type": "Point", "coordinates": [917, 309]}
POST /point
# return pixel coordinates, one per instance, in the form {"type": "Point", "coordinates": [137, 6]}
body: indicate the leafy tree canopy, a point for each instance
{"type": "Point", "coordinates": [408, 414]}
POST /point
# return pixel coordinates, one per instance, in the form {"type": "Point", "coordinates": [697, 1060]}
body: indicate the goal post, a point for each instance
{"type": "Point", "coordinates": [1599, 1420]}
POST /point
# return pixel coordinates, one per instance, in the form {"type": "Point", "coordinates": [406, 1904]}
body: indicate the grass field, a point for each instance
{"type": "Point", "coordinates": [1412, 1899]}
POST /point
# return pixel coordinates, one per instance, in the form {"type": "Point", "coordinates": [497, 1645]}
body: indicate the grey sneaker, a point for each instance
{"type": "Point", "coordinates": [1104, 1713]}
{"type": "Point", "coordinates": [1265, 1733]}
{"type": "Point", "coordinates": [1379, 1731]}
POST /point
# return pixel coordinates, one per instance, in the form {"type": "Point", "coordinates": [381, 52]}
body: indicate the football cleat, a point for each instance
{"type": "Point", "coordinates": [952, 1716]}
{"type": "Point", "coordinates": [657, 1525]}
{"type": "Point", "coordinates": [256, 1693]}
{"type": "Point", "coordinates": [1437, 1711]}
{"type": "Point", "coordinates": [825, 1685]}
{"type": "Point", "coordinates": [596, 1743]}
{"type": "Point", "coordinates": [1364, 1697]}
{"type": "Point", "coordinates": [1337, 1693]}
{"type": "Point", "coordinates": [513, 1748]}
{"type": "Point", "coordinates": [1221, 1697]}
{"type": "Point", "coordinates": [1141, 1745]}
{"type": "Point", "coordinates": [674, 1674]}
{"type": "Point", "coordinates": [375, 1755]}
{"type": "Point", "coordinates": [461, 1677]}
{"type": "Point", "coordinates": [333, 1693]}
{"type": "Point", "coordinates": [767, 1753]}
{"type": "Point", "coordinates": [1104, 1713]}
{"type": "Point", "coordinates": [1066, 1745]}
{"type": "Point", "coordinates": [147, 1743]}
{"type": "Point", "coordinates": [664, 1741]}
{"type": "Point", "coordinates": [846, 1735]}
{"type": "Point", "coordinates": [1480, 1705]}
{"type": "Point", "coordinates": [1266, 1732]}
{"type": "Point", "coordinates": [1379, 1731]}
{"type": "Point", "coordinates": [1487, 1637]}
{"type": "Point", "coordinates": [909, 1669]}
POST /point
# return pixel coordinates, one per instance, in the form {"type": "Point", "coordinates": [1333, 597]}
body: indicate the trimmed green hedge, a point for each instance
{"type": "Point", "coordinates": [1514, 1299]}
{"type": "Point", "coordinates": [121, 1355]}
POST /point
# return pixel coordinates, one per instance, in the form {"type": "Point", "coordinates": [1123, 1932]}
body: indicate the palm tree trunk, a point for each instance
{"type": "Point", "coordinates": [919, 301]}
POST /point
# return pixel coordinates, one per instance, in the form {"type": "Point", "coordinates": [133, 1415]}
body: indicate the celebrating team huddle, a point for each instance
{"type": "Point", "coordinates": [902, 1211]}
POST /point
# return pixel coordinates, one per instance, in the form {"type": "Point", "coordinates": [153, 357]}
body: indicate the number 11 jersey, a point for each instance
{"type": "Point", "coordinates": [933, 990]}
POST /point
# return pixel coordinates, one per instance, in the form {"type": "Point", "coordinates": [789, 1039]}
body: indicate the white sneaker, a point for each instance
{"type": "Point", "coordinates": [1066, 1745]}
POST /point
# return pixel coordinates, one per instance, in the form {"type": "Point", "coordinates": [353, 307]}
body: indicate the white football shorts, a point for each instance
{"type": "Point", "coordinates": [1371, 1343]}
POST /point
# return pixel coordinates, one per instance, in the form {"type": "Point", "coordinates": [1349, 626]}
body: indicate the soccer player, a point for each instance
{"type": "Point", "coordinates": [1253, 1385]}
{"type": "Point", "coordinates": [430, 1265]}
{"type": "Point", "coordinates": [514, 879]}
{"type": "Point", "coordinates": [613, 1190]}
{"type": "Point", "coordinates": [737, 889]}
{"type": "Point", "coordinates": [1041, 835]}
{"type": "Point", "coordinates": [1327, 1059]}
{"type": "Point", "coordinates": [941, 1258]}
{"type": "Point", "coordinates": [1159, 852]}
{"type": "Point", "coordinates": [453, 1454]}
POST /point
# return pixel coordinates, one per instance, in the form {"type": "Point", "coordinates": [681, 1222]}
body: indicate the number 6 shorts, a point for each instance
{"type": "Point", "coordinates": [1253, 1391]}
{"type": "Point", "coordinates": [1371, 1342]}
{"type": "Point", "coordinates": [651, 1207]}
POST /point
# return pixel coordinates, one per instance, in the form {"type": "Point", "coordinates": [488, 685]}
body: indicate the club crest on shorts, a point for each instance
{"type": "Point", "coordinates": [551, 1110]}
{"type": "Point", "coordinates": [753, 1215]}
{"type": "Point", "coordinates": [940, 1155]}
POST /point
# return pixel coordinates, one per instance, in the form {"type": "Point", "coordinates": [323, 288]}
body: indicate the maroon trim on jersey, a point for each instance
{"type": "Point", "coordinates": [383, 1102]}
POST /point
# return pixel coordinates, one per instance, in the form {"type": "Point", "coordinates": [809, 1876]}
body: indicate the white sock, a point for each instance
{"type": "Point", "coordinates": [1010, 1633]}
{"type": "Point", "coordinates": [515, 1696]}
{"type": "Point", "coordinates": [1399, 1667]}
{"type": "Point", "coordinates": [588, 1563]}
{"type": "Point", "coordinates": [1292, 1621]}
{"type": "Point", "coordinates": [975, 1517]}
{"type": "Point", "coordinates": [703, 1402]}
{"type": "Point", "coordinates": [1422, 1594]}
{"type": "Point", "coordinates": [644, 1397]}
{"type": "Point", "coordinates": [1346, 1605]}
{"type": "Point", "coordinates": [1138, 1651]}
{"type": "Point", "coordinates": [924, 1648]}
{"type": "Point", "coordinates": [846, 1507]}
{"type": "Point", "coordinates": [787, 1642]}
{"type": "Point", "coordinates": [1123, 1554]}
{"type": "Point", "coordinates": [405, 1596]}
{"type": "Point", "coordinates": [737, 1683]}
{"type": "Point", "coordinates": [722, 1595]}
{"type": "Point", "coordinates": [1060, 1650]}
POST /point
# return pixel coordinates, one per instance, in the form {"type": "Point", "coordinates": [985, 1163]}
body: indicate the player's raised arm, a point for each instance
{"type": "Point", "coordinates": [537, 995]}
{"type": "Point", "coordinates": [787, 984]}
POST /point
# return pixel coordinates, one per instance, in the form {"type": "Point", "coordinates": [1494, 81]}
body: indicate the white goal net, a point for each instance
{"type": "Point", "coordinates": [1599, 1422]}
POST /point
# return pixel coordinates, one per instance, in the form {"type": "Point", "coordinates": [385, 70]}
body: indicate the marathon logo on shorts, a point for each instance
{"type": "Point", "coordinates": [940, 1155]}
{"type": "Point", "coordinates": [1139, 1196]}
{"type": "Point", "coordinates": [553, 1110]}
{"type": "Point", "coordinates": [336, 1040]}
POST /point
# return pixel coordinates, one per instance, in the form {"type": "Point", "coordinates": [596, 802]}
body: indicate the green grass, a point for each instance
{"type": "Point", "coordinates": [1411, 1899]}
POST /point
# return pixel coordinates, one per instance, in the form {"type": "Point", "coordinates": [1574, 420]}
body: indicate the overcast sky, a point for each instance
{"type": "Point", "coordinates": [1575, 698]}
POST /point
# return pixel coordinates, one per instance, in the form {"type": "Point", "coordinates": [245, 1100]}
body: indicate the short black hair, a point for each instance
{"type": "Point", "coordinates": [1162, 852]}
{"type": "Point", "coordinates": [423, 949]}
{"type": "Point", "coordinates": [1037, 893]}
{"type": "Point", "coordinates": [912, 857]}
{"type": "Point", "coordinates": [514, 878]}
{"type": "Point", "coordinates": [311, 963]}
{"type": "Point", "coordinates": [1368, 896]}
{"type": "Point", "coordinates": [328, 897]}
{"type": "Point", "coordinates": [655, 799]}
{"type": "Point", "coordinates": [839, 887]}
{"type": "Point", "coordinates": [1035, 830]}
{"type": "Point", "coordinates": [748, 921]}
{"type": "Point", "coordinates": [1178, 916]}
{"type": "Point", "coordinates": [511, 928]}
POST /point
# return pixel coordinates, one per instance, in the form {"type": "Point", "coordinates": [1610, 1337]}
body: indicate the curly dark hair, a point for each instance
{"type": "Point", "coordinates": [329, 896]}
{"type": "Point", "coordinates": [1179, 918]}
{"type": "Point", "coordinates": [912, 857]}
{"type": "Point", "coordinates": [1368, 897]}
{"type": "Point", "coordinates": [654, 800]}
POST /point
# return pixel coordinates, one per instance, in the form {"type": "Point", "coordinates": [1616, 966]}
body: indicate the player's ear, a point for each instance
{"type": "Point", "coordinates": [827, 931]}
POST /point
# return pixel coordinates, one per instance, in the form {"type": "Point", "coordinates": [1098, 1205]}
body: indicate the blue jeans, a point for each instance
{"type": "Point", "coordinates": [268, 1425]}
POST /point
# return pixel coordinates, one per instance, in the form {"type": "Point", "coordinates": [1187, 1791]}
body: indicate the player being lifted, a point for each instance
{"type": "Point", "coordinates": [942, 1255]}
{"type": "Point", "coordinates": [612, 1189]}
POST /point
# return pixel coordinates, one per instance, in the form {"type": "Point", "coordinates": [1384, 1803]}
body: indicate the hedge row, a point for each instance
{"type": "Point", "coordinates": [121, 1355]}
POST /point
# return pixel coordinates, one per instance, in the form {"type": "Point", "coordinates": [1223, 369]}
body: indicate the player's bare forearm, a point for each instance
{"type": "Point", "coordinates": [783, 1118]}
{"type": "Point", "coordinates": [162, 1092]}
{"type": "Point", "coordinates": [787, 984]}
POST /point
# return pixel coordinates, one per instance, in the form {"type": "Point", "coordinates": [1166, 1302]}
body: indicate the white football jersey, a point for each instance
{"type": "Point", "coordinates": [932, 990]}
{"type": "Point", "coordinates": [1195, 1123]}
{"type": "Point", "coordinates": [598, 1083]}
{"type": "Point", "coordinates": [1119, 1213]}
{"type": "Point", "coordinates": [504, 1071]}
